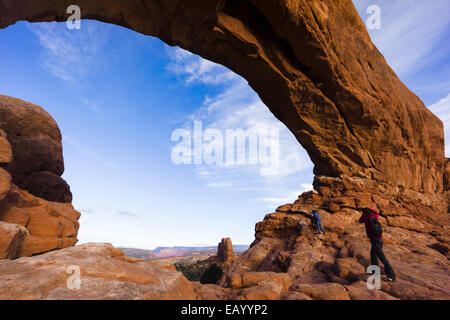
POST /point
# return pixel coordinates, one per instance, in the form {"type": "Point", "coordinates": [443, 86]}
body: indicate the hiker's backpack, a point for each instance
{"type": "Point", "coordinates": [375, 227]}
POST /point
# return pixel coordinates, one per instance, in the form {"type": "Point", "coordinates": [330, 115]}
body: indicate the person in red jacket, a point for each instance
{"type": "Point", "coordinates": [376, 252]}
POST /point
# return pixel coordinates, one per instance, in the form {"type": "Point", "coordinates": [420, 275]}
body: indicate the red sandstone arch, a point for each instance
{"type": "Point", "coordinates": [312, 63]}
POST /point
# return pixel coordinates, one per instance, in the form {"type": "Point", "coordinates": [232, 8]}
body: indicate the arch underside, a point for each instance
{"type": "Point", "coordinates": [311, 62]}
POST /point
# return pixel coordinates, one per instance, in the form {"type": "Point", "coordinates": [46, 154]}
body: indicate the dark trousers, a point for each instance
{"type": "Point", "coordinates": [376, 252]}
{"type": "Point", "coordinates": [319, 227]}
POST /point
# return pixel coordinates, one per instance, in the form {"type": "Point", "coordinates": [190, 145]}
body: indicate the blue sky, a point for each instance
{"type": "Point", "coordinates": [118, 96]}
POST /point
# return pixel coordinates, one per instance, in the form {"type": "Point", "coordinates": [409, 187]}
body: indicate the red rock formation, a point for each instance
{"type": "Point", "coordinates": [51, 225]}
{"type": "Point", "coordinates": [11, 238]}
{"type": "Point", "coordinates": [5, 183]}
{"type": "Point", "coordinates": [333, 266]}
{"type": "Point", "coordinates": [311, 62]}
{"type": "Point", "coordinates": [447, 183]}
{"type": "Point", "coordinates": [31, 141]}
{"type": "Point", "coordinates": [37, 162]}
{"type": "Point", "coordinates": [104, 274]}
{"type": "Point", "coordinates": [225, 251]}
{"type": "Point", "coordinates": [5, 149]}
{"type": "Point", "coordinates": [373, 142]}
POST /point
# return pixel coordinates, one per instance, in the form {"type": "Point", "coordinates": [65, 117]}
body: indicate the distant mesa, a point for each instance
{"type": "Point", "coordinates": [177, 251]}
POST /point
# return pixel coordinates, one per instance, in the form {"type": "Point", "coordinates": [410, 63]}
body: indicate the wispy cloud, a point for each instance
{"type": "Point", "coordinates": [442, 110]}
{"type": "Point", "coordinates": [196, 70]}
{"type": "Point", "coordinates": [127, 213]}
{"type": "Point", "coordinates": [290, 197]}
{"type": "Point", "coordinates": [81, 148]}
{"type": "Point", "coordinates": [86, 151]}
{"type": "Point", "coordinates": [414, 40]}
{"type": "Point", "coordinates": [92, 105]}
{"type": "Point", "coordinates": [70, 54]}
{"type": "Point", "coordinates": [220, 184]}
{"type": "Point", "coordinates": [411, 32]}
{"type": "Point", "coordinates": [106, 210]}
{"type": "Point", "coordinates": [237, 106]}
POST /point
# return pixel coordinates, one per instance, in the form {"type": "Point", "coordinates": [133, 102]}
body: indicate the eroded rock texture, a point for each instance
{"type": "Point", "coordinates": [31, 157]}
{"type": "Point", "coordinates": [103, 271]}
{"type": "Point", "coordinates": [34, 159]}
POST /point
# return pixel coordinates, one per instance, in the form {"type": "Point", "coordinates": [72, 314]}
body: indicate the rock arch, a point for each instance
{"type": "Point", "coordinates": [373, 143]}
{"type": "Point", "coordinates": [313, 64]}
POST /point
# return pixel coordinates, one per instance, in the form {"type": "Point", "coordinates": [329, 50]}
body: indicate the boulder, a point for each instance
{"type": "Point", "coordinates": [297, 296]}
{"type": "Point", "coordinates": [211, 291]}
{"type": "Point", "coordinates": [51, 225]}
{"type": "Point", "coordinates": [11, 239]}
{"type": "Point", "coordinates": [49, 186]}
{"type": "Point", "coordinates": [5, 149]}
{"type": "Point", "coordinates": [359, 291]}
{"type": "Point", "coordinates": [35, 139]}
{"type": "Point", "coordinates": [5, 183]}
{"type": "Point", "coordinates": [325, 291]}
{"type": "Point", "coordinates": [350, 269]}
{"type": "Point", "coordinates": [264, 290]}
{"type": "Point", "coordinates": [101, 272]}
{"type": "Point", "coordinates": [250, 279]}
{"type": "Point", "coordinates": [14, 215]}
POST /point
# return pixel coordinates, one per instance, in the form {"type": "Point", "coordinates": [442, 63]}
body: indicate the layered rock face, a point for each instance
{"type": "Point", "coordinates": [447, 183]}
{"type": "Point", "coordinates": [31, 157]}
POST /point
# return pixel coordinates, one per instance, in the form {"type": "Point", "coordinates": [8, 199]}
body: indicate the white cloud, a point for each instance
{"type": "Point", "coordinates": [69, 54]}
{"type": "Point", "coordinates": [86, 151]}
{"type": "Point", "coordinates": [237, 106]}
{"type": "Point", "coordinates": [197, 70]}
{"type": "Point", "coordinates": [412, 32]}
{"type": "Point", "coordinates": [91, 105]}
{"type": "Point", "coordinates": [442, 110]}
{"type": "Point", "coordinates": [108, 211]}
{"type": "Point", "coordinates": [273, 202]}
{"type": "Point", "coordinates": [81, 148]}
{"type": "Point", "coordinates": [127, 213]}
{"type": "Point", "coordinates": [220, 184]}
